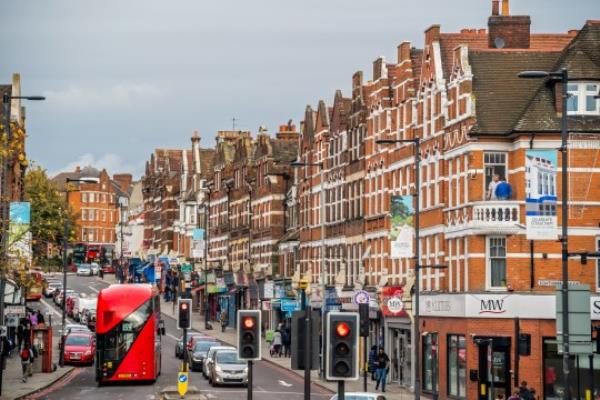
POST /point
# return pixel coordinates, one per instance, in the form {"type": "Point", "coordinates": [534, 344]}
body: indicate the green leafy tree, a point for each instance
{"type": "Point", "coordinates": [47, 213]}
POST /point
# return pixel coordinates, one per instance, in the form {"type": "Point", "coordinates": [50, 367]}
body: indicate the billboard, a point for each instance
{"type": "Point", "coordinates": [198, 243]}
{"type": "Point", "coordinates": [19, 234]}
{"type": "Point", "coordinates": [402, 231]}
{"type": "Point", "coordinates": [540, 194]}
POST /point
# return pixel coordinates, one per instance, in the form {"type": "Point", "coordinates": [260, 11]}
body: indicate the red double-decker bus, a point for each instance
{"type": "Point", "coordinates": [128, 334]}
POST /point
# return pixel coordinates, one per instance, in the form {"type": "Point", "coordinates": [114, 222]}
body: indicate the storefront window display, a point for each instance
{"type": "Point", "coordinates": [457, 366]}
{"type": "Point", "coordinates": [584, 376]}
{"type": "Point", "coordinates": [430, 362]}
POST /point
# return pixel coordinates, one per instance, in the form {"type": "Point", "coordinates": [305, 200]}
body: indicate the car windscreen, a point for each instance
{"type": "Point", "coordinates": [228, 357]}
{"type": "Point", "coordinates": [203, 346]}
{"type": "Point", "coordinates": [78, 340]}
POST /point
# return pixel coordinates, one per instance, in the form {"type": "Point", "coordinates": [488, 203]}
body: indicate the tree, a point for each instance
{"type": "Point", "coordinates": [47, 213]}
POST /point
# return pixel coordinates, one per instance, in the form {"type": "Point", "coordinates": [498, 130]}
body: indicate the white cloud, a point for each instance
{"type": "Point", "coordinates": [112, 162]}
{"type": "Point", "coordinates": [119, 95]}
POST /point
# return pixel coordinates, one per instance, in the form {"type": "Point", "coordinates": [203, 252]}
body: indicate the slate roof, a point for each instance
{"type": "Point", "coordinates": [505, 103]}
{"type": "Point", "coordinates": [284, 151]}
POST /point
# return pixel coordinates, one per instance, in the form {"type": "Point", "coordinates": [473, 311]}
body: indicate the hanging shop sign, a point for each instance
{"type": "Point", "coordinates": [391, 301]}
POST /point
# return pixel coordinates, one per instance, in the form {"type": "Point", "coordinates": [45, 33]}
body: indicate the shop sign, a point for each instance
{"type": "Point", "coordinates": [14, 310]}
{"type": "Point", "coordinates": [221, 284]}
{"type": "Point", "coordinates": [553, 283]}
{"type": "Point", "coordinates": [361, 297]}
{"type": "Point", "coordinates": [289, 305]}
{"type": "Point", "coordinates": [268, 288]}
{"type": "Point", "coordinates": [391, 301]}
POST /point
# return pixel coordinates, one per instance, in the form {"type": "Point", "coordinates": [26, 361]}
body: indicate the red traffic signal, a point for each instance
{"type": "Point", "coordinates": [342, 329]}
{"type": "Point", "coordinates": [248, 323]}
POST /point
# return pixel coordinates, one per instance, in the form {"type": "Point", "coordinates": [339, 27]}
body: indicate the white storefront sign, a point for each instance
{"type": "Point", "coordinates": [504, 305]}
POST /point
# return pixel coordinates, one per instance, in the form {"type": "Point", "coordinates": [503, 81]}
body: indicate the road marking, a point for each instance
{"type": "Point", "coordinates": [284, 383]}
{"type": "Point", "coordinates": [94, 289]}
{"type": "Point", "coordinates": [172, 337]}
{"type": "Point", "coordinates": [209, 391]}
{"type": "Point", "coordinates": [50, 308]}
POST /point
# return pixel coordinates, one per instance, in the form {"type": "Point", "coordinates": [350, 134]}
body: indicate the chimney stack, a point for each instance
{"type": "Point", "coordinates": [508, 31]}
{"type": "Point", "coordinates": [196, 152]}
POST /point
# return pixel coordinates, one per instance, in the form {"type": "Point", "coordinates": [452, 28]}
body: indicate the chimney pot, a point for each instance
{"type": "Point", "coordinates": [505, 7]}
{"type": "Point", "coordinates": [495, 7]}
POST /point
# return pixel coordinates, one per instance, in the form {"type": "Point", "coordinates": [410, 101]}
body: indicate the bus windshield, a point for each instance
{"type": "Point", "coordinates": [118, 341]}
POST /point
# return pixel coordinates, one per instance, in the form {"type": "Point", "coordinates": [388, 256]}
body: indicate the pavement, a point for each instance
{"type": "Point", "coordinates": [271, 382]}
{"type": "Point", "coordinates": [12, 385]}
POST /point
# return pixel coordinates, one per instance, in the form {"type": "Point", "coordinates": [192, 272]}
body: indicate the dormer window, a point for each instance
{"type": "Point", "coordinates": [582, 98]}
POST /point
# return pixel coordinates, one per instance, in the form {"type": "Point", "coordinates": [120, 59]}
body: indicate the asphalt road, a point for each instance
{"type": "Point", "coordinates": [270, 382]}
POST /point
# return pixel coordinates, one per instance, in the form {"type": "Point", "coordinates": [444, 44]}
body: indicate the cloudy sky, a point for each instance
{"type": "Point", "coordinates": [123, 77]}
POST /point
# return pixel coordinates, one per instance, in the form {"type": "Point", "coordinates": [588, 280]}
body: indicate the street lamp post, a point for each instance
{"type": "Point", "coordinates": [65, 242]}
{"type": "Point", "coordinates": [5, 203]}
{"type": "Point", "coordinates": [206, 222]}
{"type": "Point", "coordinates": [563, 76]}
{"type": "Point", "coordinates": [417, 142]}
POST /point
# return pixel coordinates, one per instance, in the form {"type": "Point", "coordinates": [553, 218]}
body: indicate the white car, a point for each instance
{"type": "Point", "coordinates": [207, 361]}
{"type": "Point", "coordinates": [95, 268]}
{"type": "Point", "coordinates": [360, 396]}
{"type": "Point", "coordinates": [85, 270]}
{"type": "Point", "coordinates": [51, 288]}
{"type": "Point", "coordinates": [81, 305]}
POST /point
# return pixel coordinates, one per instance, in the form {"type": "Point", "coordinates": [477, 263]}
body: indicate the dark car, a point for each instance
{"type": "Point", "coordinates": [190, 336]}
{"type": "Point", "coordinates": [198, 352]}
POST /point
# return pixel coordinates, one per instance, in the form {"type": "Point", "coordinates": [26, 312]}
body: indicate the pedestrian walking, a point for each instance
{"type": "Point", "coordinates": [372, 360]}
{"type": "Point", "coordinates": [382, 364]}
{"type": "Point", "coordinates": [40, 318]}
{"type": "Point", "coordinates": [26, 360]}
{"type": "Point", "coordinates": [224, 320]}
{"type": "Point", "coordinates": [525, 392]}
{"type": "Point", "coordinates": [20, 333]}
{"type": "Point", "coordinates": [286, 339]}
{"type": "Point", "coordinates": [277, 342]}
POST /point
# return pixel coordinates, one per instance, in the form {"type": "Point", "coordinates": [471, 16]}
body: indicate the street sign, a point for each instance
{"type": "Point", "coordinates": [289, 305]}
{"type": "Point", "coordinates": [361, 297]}
{"type": "Point", "coordinates": [182, 383]}
{"type": "Point", "coordinates": [14, 310]}
{"type": "Point", "coordinates": [580, 335]}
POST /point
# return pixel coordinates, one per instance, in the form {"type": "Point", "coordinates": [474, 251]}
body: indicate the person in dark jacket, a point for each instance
{"type": "Point", "coordinates": [372, 360]}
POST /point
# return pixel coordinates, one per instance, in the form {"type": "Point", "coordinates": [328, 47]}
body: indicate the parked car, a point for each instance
{"type": "Point", "coordinates": [360, 396]}
{"type": "Point", "coordinates": [84, 270]}
{"type": "Point", "coordinates": [80, 347]}
{"type": "Point", "coordinates": [51, 287]}
{"type": "Point", "coordinates": [60, 297]}
{"type": "Point", "coordinates": [82, 304]}
{"type": "Point", "coordinates": [179, 345]}
{"type": "Point", "coordinates": [206, 364]}
{"type": "Point", "coordinates": [71, 300]}
{"type": "Point", "coordinates": [197, 353]}
{"type": "Point", "coordinates": [108, 269]}
{"type": "Point", "coordinates": [227, 368]}
{"type": "Point", "coordinates": [88, 318]}
{"type": "Point", "coordinates": [95, 268]}
{"type": "Point", "coordinates": [199, 337]}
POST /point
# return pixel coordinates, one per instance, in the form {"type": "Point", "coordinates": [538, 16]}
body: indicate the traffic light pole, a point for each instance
{"type": "Point", "coordinates": [366, 363]}
{"type": "Point", "coordinates": [307, 345]}
{"type": "Point", "coordinates": [341, 390]}
{"type": "Point", "coordinates": [185, 351]}
{"type": "Point", "coordinates": [250, 365]}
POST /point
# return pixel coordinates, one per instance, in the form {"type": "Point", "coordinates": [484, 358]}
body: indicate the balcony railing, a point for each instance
{"type": "Point", "coordinates": [485, 218]}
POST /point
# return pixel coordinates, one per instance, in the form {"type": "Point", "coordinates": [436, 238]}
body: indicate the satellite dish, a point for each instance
{"type": "Point", "coordinates": [499, 43]}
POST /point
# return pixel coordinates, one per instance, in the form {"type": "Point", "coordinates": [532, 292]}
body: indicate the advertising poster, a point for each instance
{"type": "Point", "coordinates": [19, 235]}
{"type": "Point", "coordinates": [402, 232]}
{"type": "Point", "coordinates": [540, 194]}
{"type": "Point", "coordinates": [198, 243]}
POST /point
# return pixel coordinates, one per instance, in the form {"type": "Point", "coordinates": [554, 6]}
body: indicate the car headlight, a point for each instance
{"type": "Point", "coordinates": [218, 369]}
{"type": "Point", "coordinates": [246, 370]}
{"type": "Point", "coordinates": [88, 353]}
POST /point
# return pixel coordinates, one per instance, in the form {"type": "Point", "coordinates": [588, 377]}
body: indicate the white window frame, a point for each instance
{"type": "Point", "coordinates": [582, 94]}
{"type": "Point", "coordinates": [488, 263]}
{"type": "Point", "coordinates": [485, 185]}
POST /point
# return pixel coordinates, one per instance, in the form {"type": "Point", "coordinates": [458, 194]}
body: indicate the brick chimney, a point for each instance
{"type": "Point", "coordinates": [508, 31]}
{"type": "Point", "coordinates": [287, 132]}
{"type": "Point", "coordinates": [123, 180]}
{"type": "Point", "coordinates": [196, 152]}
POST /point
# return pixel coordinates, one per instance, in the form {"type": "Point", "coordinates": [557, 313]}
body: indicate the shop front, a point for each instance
{"type": "Point", "coordinates": [479, 346]}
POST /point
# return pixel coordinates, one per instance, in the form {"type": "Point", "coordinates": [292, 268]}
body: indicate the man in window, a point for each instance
{"type": "Point", "coordinates": [491, 192]}
{"type": "Point", "coordinates": [503, 190]}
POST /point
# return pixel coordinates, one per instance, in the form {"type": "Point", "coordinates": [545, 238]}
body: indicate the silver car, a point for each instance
{"type": "Point", "coordinates": [207, 362]}
{"type": "Point", "coordinates": [95, 268]}
{"type": "Point", "coordinates": [228, 369]}
{"type": "Point", "coordinates": [85, 269]}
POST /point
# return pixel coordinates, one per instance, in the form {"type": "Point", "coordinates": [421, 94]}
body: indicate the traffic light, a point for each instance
{"type": "Point", "coordinates": [363, 311]}
{"type": "Point", "coordinates": [342, 346]}
{"type": "Point", "coordinates": [299, 339]}
{"type": "Point", "coordinates": [184, 313]}
{"type": "Point", "coordinates": [248, 324]}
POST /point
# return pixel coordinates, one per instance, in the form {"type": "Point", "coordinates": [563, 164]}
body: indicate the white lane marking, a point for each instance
{"type": "Point", "coordinates": [94, 289]}
{"type": "Point", "coordinates": [209, 391]}
{"type": "Point", "coordinates": [284, 383]}
{"type": "Point", "coordinates": [172, 337]}
{"type": "Point", "coordinates": [50, 308]}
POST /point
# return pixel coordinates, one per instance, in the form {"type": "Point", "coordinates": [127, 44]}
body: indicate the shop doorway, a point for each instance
{"type": "Point", "coordinates": [494, 367]}
{"type": "Point", "coordinates": [400, 354]}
